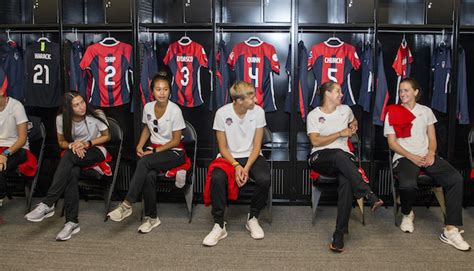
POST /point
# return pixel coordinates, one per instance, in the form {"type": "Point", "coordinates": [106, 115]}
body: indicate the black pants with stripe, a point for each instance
{"type": "Point", "coordinates": [260, 173]}
{"type": "Point", "coordinates": [13, 161]}
{"type": "Point", "coordinates": [338, 163]}
{"type": "Point", "coordinates": [144, 178]}
{"type": "Point", "coordinates": [443, 174]}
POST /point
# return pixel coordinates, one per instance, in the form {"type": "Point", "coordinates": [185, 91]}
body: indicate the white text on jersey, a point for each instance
{"type": "Point", "coordinates": [184, 58]}
{"type": "Point", "coordinates": [252, 59]}
{"type": "Point", "coordinates": [331, 60]}
{"type": "Point", "coordinates": [42, 56]}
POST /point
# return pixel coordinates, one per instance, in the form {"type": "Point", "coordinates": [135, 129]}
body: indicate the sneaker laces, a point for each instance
{"type": "Point", "coordinates": [456, 236]}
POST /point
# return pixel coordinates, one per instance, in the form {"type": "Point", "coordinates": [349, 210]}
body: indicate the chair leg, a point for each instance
{"type": "Point", "coordinates": [396, 210]}
{"type": "Point", "coordinates": [27, 195]}
{"type": "Point", "coordinates": [438, 191]}
{"type": "Point", "coordinates": [360, 203]}
{"type": "Point", "coordinates": [188, 195]}
{"type": "Point", "coordinates": [315, 197]}
{"type": "Point", "coordinates": [270, 204]}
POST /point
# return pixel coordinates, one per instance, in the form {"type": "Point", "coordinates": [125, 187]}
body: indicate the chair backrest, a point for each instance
{"type": "Point", "coordinates": [357, 148]}
{"type": "Point", "coordinates": [116, 133]}
{"type": "Point", "coordinates": [189, 134]}
{"type": "Point", "coordinates": [470, 142]}
{"type": "Point", "coordinates": [36, 130]}
{"type": "Point", "coordinates": [267, 136]}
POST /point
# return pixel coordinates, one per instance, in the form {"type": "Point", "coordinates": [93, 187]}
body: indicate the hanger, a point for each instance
{"type": "Point", "coordinates": [442, 42]}
{"type": "Point", "coordinates": [43, 38]}
{"type": "Point", "coordinates": [148, 34]}
{"type": "Point", "coordinates": [185, 39]}
{"type": "Point", "coordinates": [75, 32]}
{"type": "Point", "coordinates": [367, 42]}
{"type": "Point", "coordinates": [334, 39]}
{"type": "Point", "coordinates": [109, 39]}
{"type": "Point", "coordinates": [8, 37]}
{"type": "Point", "coordinates": [404, 41]}
{"type": "Point", "coordinates": [255, 39]}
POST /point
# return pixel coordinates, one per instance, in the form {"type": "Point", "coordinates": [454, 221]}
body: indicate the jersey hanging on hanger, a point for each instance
{"type": "Point", "coordinates": [185, 61]}
{"type": "Point", "coordinates": [78, 78]}
{"type": "Point", "coordinates": [254, 64]}
{"type": "Point", "coordinates": [110, 66]}
{"type": "Point", "coordinates": [333, 62]}
{"type": "Point", "coordinates": [402, 65]}
{"type": "Point", "coordinates": [220, 92]}
{"type": "Point", "coordinates": [11, 59]}
{"type": "Point", "coordinates": [381, 92]}
{"type": "Point", "coordinates": [367, 76]}
{"type": "Point", "coordinates": [301, 76]}
{"type": "Point", "coordinates": [42, 75]}
{"type": "Point", "coordinates": [3, 82]}
{"type": "Point", "coordinates": [462, 105]}
{"type": "Point", "coordinates": [148, 71]}
{"type": "Point", "coordinates": [441, 65]}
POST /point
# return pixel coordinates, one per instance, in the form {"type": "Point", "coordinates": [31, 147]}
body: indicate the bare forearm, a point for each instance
{"type": "Point", "coordinates": [320, 140]}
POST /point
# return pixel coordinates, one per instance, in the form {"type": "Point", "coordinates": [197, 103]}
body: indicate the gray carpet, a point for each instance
{"type": "Point", "coordinates": [291, 242]}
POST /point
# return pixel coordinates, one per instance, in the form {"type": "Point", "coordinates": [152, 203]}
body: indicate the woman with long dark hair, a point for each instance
{"type": "Point", "coordinates": [81, 131]}
{"type": "Point", "coordinates": [163, 125]}
{"type": "Point", "coordinates": [329, 127]}
{"type": "Point", "coordinates": [409, 128]}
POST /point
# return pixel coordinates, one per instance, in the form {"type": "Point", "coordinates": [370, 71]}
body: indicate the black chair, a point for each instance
{"type": "Point", "coordinates": [327, 183]}
{"type": "Point", "coordinates": [267, 152]}
{"type": "Point", "coordinates": [90, 179]}
{"type": "Point", "coordinates": [165, 183]}
{"type": "Point", "coordinates": [470, 146]}
{"type": "Point", "coordinates": [36, 139]}
{"type": "Point", "coordinates": [425, 184]}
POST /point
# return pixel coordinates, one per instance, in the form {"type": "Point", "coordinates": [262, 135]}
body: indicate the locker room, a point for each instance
{"type": "Point", "coordinates": [376, 29]}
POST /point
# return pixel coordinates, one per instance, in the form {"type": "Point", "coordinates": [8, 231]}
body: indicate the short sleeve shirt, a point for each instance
{"type": "Point", "coordinates": [162, 129]}
{"type": "Point", "coordinates": [13, 115]}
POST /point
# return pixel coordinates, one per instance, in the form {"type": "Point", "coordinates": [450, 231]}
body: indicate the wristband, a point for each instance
{"type": "Point", "coordinates": [235, 164]}
{"type": "Point", "coordinates": [90, 143]}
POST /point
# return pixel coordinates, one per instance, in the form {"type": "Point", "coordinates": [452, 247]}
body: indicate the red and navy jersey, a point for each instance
{"type": "Point", "coordinates": [333, 62]}
{"type": "Point", "coordinates": [149, 69]}
{"type": "Point", "coordinates": [441, 65]}
{"type": "Point", "coordinates": [109, 66]}
{"type": "Point", "coordinates": [381, 92]}
{"type": "Point", "coordinates": [11, 59]}
{"type": "Point", "coordinates": [302, 74]}
{"type": "Point", "coordinates": [220, 92]}
{"type": "Point", "coordinates": [78, 78]}
{"type": "Point", "coordinates": [254, 64]}
{"type": "Point", "coordinates": [367, 73]}
{"type": "Point", "coordinates": [185, 61]}
{"type": "Point", "coordinates": [42, 75]}
{"type": "Point", "coordinates": [402, 65]}
{"type": "Point", "coordinates": [3, 82]}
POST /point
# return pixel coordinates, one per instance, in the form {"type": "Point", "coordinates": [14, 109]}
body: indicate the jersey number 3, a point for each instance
{"type": "Point", "coordinates": [39, 71]}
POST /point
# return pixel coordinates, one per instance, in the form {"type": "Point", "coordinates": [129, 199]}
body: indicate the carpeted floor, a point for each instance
{"type": "Point", "coordinates": [291, 242]}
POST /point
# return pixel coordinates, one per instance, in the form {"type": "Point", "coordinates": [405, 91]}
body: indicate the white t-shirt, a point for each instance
{"type": "Point", "coordinates": [161, 130]}
{"type": "Point", "coordinates": [239, 132]}
{"type": "Point", "coordinates": [326, 124]}
{"type": "Point", "coordinates": [417, 143]}
{"type": "Point", "coordinates": [10, 117]}
{"type": "Point", "coordinates": [85, 130]}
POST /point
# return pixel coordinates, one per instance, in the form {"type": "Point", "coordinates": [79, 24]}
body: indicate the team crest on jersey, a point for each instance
{"type": "Point", "coordinates": [228, 121]}
{"type": "Point", "coordinates": [322, 120]}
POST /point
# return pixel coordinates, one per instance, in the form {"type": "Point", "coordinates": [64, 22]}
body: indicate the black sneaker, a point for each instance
{"type": "Point", "coordinates": [337, 244]}
{"type": "Point", "coordinates": [374, 201]}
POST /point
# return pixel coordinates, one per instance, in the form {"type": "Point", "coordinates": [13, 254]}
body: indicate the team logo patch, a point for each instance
{"type": "Point", "coordinates": [228, 121]}
{"type": "Point", "coordinates": [321, 120]}
{"type": "Point", "coordinates": [275, 57]}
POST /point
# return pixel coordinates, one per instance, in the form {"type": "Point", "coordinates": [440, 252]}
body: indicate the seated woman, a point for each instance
{"type": "Point", "coordinates": [411, 134]}
{"type": "Point", "coordinates": [164, 124]}
{"type": "Point", "coordinates": [13, 139]}
{"type": "Point", "coordinates": [329, 127]}
{"type": "Point", "coordinates": [81, 131]}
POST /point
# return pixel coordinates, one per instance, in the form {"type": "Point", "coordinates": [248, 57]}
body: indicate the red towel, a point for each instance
{"type": "Point", "coordinates": [102, 167]}
{"type": "Point", "coordinates": [232, 188]}
{"type": "Point", "coordinates": [401, 119]}
{"type": "Point", "coordinates": [186, 166]}
{"type": "Point", "coordinates": [30, 166]}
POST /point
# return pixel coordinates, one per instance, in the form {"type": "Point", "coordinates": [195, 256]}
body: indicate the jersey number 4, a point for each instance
{"type": "Point", "coordinates": [254, 75]}
{"type": "Point", "coordinates": [40, 71]}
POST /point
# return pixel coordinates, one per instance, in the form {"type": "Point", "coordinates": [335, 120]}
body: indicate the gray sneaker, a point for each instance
{"type": "Point", "coordinates": [69, 229]}
{"type": "Point", "coordinates": [120, 213]}
{"type": "Point", "coordinates": [149, 224]}
{"type": "Point", "coordinates": [180, 178]}
{"type": "Point", "coordinates": [41, 212]}
{"type": "Point", "coordinates": [1, 202]}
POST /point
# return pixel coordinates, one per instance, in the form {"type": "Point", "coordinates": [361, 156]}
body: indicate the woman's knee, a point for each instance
{"type": "Point", "coordinates": [219, 177]}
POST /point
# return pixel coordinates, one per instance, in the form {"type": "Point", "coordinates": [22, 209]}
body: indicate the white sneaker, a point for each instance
{"type": "Point", "coordinates": [180, 179]}
{"type": "Point", "coordinates": [149, 224]}
{"type": "Point", "coordinates": [39, 213]}
{"type": "Point", "coordinates": [254, 228]}
{"type": "Point", "coordinates": [407, 222]}
{"type": "Point", "coordinates": [1, 201]}
{"type": "Point", "coordinates": [120, 213]}
{"type": "Point", "coordinates": [453, 237]}
{"type": "Point", "coordinates": [69, 229]}
{"type": "Point", "coordinates": [215, 235]}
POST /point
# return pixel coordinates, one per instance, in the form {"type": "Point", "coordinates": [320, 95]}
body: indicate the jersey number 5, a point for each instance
{"type": "Point", "coordinates": [39, 70]}
{"type": "Point", "coordinates": [332, 74]}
